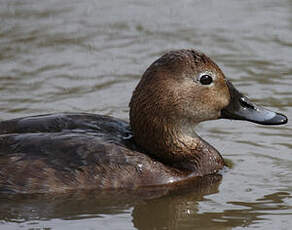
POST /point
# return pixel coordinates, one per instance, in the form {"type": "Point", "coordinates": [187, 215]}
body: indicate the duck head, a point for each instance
{"type": "Point", "coordinates": [181, 89]}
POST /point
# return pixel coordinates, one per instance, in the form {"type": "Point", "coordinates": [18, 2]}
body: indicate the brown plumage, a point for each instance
{"type": "Point", "coordinates": [61, 152]}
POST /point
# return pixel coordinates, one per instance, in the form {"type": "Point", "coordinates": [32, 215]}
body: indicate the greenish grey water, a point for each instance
{"type": "Point", "coordinates": [88, 56]}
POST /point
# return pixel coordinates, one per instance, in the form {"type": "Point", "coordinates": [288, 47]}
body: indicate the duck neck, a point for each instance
{"type": "Point", "coordinates": [180, 148]}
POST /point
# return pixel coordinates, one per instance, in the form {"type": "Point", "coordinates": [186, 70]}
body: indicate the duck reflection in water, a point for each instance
{"type": "Point", "coordinates": [162, 207]}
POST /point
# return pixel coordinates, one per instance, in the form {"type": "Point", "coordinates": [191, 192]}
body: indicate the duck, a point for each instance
{"type": "Point", "coordinates": [57, 153]}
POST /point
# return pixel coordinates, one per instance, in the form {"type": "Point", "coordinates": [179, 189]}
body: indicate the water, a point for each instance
{"type": "Point", "coordinates": [88, 56]}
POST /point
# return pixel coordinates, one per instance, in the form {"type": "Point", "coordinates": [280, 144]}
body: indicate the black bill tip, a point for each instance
{"type": "Point", "coordinates": [278, 119]}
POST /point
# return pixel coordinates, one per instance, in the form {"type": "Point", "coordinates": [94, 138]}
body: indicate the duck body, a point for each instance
{"type": "Point", "coordinates": [72, 151]}
{"type": "Point", "coordinates": [61, 152]}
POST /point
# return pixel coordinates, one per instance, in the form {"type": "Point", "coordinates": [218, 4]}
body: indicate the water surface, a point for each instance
{"type": "Point", "coordinates": [88, 56]}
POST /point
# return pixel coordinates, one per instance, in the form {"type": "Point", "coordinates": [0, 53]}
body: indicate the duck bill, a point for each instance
{"type": "Point", "coordinates": [241, 108]}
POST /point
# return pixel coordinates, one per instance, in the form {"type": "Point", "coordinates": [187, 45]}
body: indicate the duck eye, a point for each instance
{"type": "Point", "coordinates": [206, 79]}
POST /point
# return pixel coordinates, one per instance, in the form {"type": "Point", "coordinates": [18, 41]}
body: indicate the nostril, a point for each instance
{"type": "Point", "coordinates": [246, 103]}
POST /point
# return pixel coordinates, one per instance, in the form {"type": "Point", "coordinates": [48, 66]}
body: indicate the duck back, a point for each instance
{"type": "Point", "coordinates": [60, 152]}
